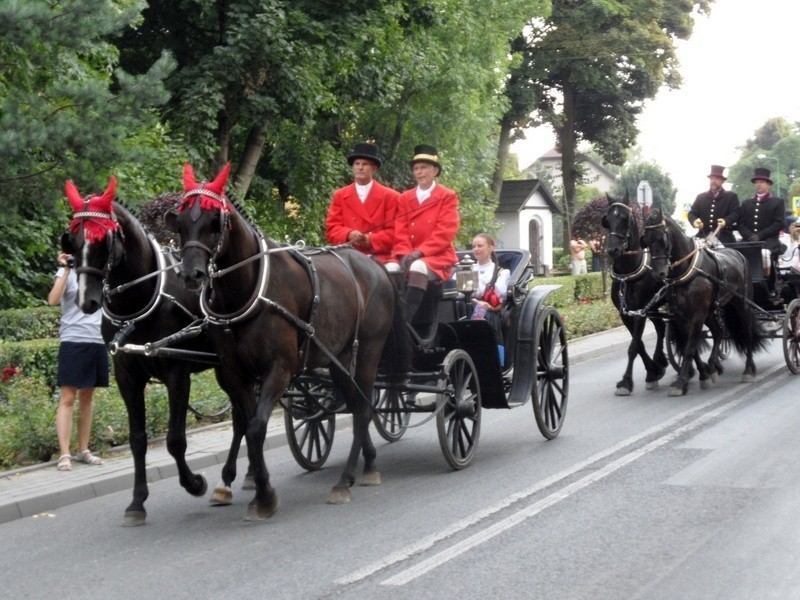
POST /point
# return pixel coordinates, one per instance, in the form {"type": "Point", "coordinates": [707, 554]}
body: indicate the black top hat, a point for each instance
{"type": "Point", "coordinates": [427, 154]}
{"type": "Point", "coordinates": [762, 174]}
{"type": "Point", "coordinates": [364, 150]}
{"type": "Point", "coordinates": [716, 171]}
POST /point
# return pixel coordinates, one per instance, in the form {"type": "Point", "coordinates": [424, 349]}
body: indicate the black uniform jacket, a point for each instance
{"type": "Point", "coordinates": [709, 209]}
{"type": "Point", "coordinates": [762, 221]}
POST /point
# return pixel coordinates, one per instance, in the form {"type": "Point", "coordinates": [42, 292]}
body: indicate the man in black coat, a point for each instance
{"type": "Point", "coordinates": [714, 205]}
{"type": "Point", "coordinates": [761, 218]}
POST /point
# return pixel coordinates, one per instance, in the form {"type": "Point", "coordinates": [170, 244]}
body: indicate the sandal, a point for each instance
{"type": "Point", "coordinates": [85, 456]}
{"type": "Point", "coordinates": [64, 462]}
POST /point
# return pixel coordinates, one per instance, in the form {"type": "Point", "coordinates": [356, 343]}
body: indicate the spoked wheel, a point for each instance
{"type": "Point", "coordinates": [675, 360]}
{"type": "Point", "coordinates": [550, 390]}
{"type": "Point", "coordinates": [791, 336]}
{"type": "Point", "coordinates": [458, 419]}
{"type": "Point", "coordinates": [310, 426]}
{"type": "Point", "coordinates": [392, 424]}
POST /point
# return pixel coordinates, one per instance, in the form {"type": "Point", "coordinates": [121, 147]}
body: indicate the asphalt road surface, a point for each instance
{"type": "Point", "coordinates": [645, 496]}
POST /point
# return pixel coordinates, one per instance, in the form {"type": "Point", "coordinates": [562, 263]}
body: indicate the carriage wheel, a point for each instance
{"type": "Point", "coordinates": [791, 336]}
{"type": "Point", "coordinates": [675, 360]}
{"type": "Point", "coordinates": [550, 390]}
{"type": "Point", "coordinates": [310, 428]}
{"type": "Point", "coordinates": [391, 425]}
{"type": "Point", "coordinates": [458, 420]}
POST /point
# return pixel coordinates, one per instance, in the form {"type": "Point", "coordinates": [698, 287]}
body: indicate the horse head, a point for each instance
{"type": "Point", "coordinates": [623, 231]}
{"type": "Point", "coordinates": [658, 239]}
{"type": "Point", "coordinates": [94, 241]}
{"type": "Point", "coordinates": [201, 219]}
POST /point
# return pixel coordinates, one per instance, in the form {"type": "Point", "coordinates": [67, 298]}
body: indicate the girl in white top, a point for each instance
{"type": "Point", "coordinates": [488, 299]}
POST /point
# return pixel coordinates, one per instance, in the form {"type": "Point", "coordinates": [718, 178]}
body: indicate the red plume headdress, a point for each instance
{"type": "Point", "coordinates": [210, 195]}
{"type": "Point", "coordinates": [94, 213]}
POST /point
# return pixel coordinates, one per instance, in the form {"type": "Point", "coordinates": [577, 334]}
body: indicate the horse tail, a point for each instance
{"type": "Point", "coordinates": [681, 340]}
{"type": "Point", "coordinates": [746, 332]}
{"type": "Point", "coordinates": [397, 351]}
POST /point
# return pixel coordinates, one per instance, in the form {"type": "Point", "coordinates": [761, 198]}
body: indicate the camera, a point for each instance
{"type": "Point", "coordinates": [71, 262]}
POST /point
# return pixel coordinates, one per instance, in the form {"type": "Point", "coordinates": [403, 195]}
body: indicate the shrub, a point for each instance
{"type": "Point", "coordinates": [33, 358]}
{"type": "Point", "coordinates": [29, 323]}
{"type": "Point", "coordinates": [585, 318]}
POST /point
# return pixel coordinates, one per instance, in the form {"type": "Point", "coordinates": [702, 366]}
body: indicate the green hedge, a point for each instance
{"type": "Point", "coordinates": [33, 358]}
{"type": "Point", "coordinates": [29, 323]}
{"type": "Point", "coordinates": [574, 288]}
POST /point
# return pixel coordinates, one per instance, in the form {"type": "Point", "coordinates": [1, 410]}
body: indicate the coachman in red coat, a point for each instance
{"type": "Point", "coordinates": [425, 228]}
{"type": "Point", "coordinates": [363, 213]}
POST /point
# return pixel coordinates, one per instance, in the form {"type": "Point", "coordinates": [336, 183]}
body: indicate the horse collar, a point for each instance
{"type": "Point", "coordinates": [643, 267]}
{"type": "Point", "coordinates": [690, 272]}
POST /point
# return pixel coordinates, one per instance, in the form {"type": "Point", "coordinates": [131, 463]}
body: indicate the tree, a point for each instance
{"type": "Point", "coordinates": [664, 191]}
{"type": "Point", "coordinates": [66, 112]}
{"type": "Point", "coordinates": [590, 66]}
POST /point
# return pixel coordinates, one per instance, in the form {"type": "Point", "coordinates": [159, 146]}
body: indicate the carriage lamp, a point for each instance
{"type": "Point", "coordinates": [466, 276]}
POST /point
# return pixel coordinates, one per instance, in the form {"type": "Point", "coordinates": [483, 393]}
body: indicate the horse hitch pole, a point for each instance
{"type": "Point", "coordinates": [188, 332]}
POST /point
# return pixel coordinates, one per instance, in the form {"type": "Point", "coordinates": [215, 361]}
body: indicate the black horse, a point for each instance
{"type": "Point", "coordinates": [275, 312]}
{"type": "Point", "coordinates": [634, 292]}
{"type": "Point", "coordinates": [705, 287]}
{"type": "Point", "coordinates": [121, 268]}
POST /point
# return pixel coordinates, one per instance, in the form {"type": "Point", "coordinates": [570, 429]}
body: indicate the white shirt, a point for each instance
{"type": "Point", "coordinates": [423, 195]}
{"type": "Point", "coordinates": [76, 325]}
{"type": "Point", "coordinates": [363, 191]}
{"type": "Point", "coordinates": [485, 273]}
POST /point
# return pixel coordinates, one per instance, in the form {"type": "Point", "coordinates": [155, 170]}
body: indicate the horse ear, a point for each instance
{"type": "Point", "coordinates": [108, 196]}
{"type": "Point", "coordinates": [171, 220]}
{"type": "Point", "coordinates": [218, 185]}
{"type": "Point", "coordinates": [73, 196]}
{"type": "Point", "coordinates": [189, 182]}
{"type": "Point", "coordinates": [627, 196]}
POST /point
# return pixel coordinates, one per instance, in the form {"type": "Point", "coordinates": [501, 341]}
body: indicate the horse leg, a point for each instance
{"type": "Point", "coordinates": [265, 503]}
{"type": "Point", "coordinates": [625, 385]}
{"type": "Point", "coordinates": [132, 391]}
{"type": "Point", "coordinates": [222, 494]}
{"type": "Point", "coordinates": [178, 387]}
{"type": "Point", "coordinates": [680, 385]}
{"type": "Point", "coordinates": [659, 356]}
{"type": "Point", "coordinates": [358, 404]}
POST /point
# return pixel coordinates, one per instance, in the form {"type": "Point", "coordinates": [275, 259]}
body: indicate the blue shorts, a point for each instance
{"type": "Point", "coordinates": [82, 365]}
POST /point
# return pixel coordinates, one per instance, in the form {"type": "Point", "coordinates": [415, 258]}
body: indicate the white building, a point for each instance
{"type": "Point", "coordinates": [526, 211]}
{"type": "Point", "coordinates": [596, 174]}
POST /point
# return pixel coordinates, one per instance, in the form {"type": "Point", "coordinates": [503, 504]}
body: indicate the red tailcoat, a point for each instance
{"type": "Point", "coordinates": [429, 227]}
{"type": "Point", "coordinates": [375, 216]}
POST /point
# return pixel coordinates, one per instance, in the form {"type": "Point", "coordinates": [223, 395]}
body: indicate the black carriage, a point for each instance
{"type": "Point", "coordinates": [456, 373]}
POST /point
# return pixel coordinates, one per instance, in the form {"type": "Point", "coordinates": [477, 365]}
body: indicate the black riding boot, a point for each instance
{"type": "Point", "coordinates": [414, 297]}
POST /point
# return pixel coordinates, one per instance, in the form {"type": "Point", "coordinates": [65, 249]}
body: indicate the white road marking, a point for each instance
{"type": "Point", "coordinates": [444, 556]}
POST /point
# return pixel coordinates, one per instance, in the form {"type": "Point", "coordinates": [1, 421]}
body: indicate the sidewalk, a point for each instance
{"type": "Point", "coordinates": [41, 488]}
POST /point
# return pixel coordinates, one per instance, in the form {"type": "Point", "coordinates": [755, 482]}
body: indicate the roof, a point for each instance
{"type": "Point", "coordinates": [554, 155]}
{"type": "Point", "coordinates": [515, 193]}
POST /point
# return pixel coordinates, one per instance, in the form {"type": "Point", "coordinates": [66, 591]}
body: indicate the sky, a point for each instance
{"type": "Point", "coordinates": [687, 130]}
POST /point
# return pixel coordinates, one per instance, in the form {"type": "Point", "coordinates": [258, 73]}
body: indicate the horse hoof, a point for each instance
{"type": "Point", "coordinates": [706, 383]}
{"type": "Point", "coordinates": [249, 483]}
{"type": "Point", "coordinates": [371, 478]}
{"type": "Point", "coordinates": [339, 495]}
{"type": "Point", "coordinates": [134, 518]}
{"type": "Point", "coordinates": [621, 391]}
{"type": "Point", "coordinates": [200, 488]}
{"type": "Point", "coordinates": [747, 378]}
{"type": "Point", "coordinates": [676, 391]}
{"type": "Point", "coordinates": [222, 495]}
{"type": "Point", "coordinates": [651, 385]}
{"type": "Point", "coordinates": [256, 512]}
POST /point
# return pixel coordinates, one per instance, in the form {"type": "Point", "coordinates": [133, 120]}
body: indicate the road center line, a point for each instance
{"type": "Point", "coordinates": [459, 526]}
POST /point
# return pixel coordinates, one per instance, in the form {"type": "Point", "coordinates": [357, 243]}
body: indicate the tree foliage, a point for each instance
{"type": "Point", "coordinates": [589, 67]}
{"type": "Point", "coordinates": [66, 112]}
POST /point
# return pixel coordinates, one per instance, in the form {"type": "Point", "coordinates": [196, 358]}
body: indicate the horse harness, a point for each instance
{"type": "Point", "coordinates": [259, 295]}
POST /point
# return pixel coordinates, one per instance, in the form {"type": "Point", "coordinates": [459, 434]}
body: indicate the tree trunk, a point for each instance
{"type": "Point", "coordinates": [568, 143]}
{"type": "Point", "coordinates": [253, 148]}
{"type": "Point", "coordinates": [502, 156]}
